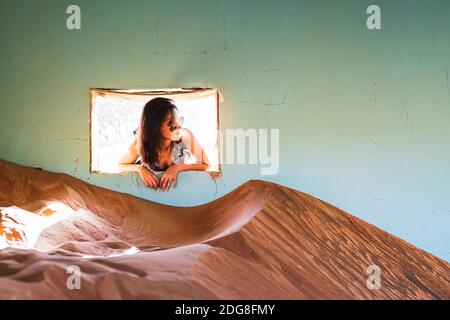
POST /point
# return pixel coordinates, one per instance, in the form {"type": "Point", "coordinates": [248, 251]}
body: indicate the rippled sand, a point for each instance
{"type": "Point", "coordinates": [261, 241]}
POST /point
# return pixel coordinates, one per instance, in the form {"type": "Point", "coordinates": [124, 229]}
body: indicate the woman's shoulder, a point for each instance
{"type": "Point", "coordinates": [185, 134]}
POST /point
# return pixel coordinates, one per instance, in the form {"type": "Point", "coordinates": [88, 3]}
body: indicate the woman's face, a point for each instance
{"type": "Point", "coordinates": [168, 126]}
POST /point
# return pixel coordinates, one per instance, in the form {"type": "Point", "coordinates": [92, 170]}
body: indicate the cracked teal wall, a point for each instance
{"type": "Point", "coordinates": [364, 115]}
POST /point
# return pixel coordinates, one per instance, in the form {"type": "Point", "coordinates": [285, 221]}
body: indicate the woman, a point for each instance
{"type": "Point", "coordinates": [161, 145]}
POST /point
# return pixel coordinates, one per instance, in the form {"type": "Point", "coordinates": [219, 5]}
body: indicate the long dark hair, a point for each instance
{"type": "Point", "coordinates": [149, 137]}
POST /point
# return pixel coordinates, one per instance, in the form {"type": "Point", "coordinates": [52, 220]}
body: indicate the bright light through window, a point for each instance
{"type": "Point", "coordinates": [116, 113]}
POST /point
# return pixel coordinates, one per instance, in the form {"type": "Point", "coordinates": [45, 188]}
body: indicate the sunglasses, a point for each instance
{"type": "Point", "coordinates": [176, 124]}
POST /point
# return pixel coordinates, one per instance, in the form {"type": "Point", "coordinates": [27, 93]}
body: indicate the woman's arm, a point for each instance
{"type": "Point", "coordinates": [171, 174]}
{"type": "Point", "coordinates": [127, 164]}
{"type": "Point", "coordinates": [127, 161]}
{"type": "Point", "coordinates": [191, 167]}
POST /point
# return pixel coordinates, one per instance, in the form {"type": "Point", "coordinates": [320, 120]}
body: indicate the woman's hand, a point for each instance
{"type": "Point", "coordinates": [169, 175]}
{"type": "Point", "coordinates": [148, 177]}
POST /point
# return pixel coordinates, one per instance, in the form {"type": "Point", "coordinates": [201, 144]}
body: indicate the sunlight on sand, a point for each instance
{"type": "Point", "coordinates": [128, 252]}
{"type": "Point", "coordinates": [20, 228]}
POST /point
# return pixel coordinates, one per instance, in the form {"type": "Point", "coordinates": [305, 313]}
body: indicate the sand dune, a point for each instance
{"type": "Point", "coordinates": [261, 241]}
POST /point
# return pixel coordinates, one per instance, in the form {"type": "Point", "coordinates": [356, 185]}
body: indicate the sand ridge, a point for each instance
{"type": "Point", "coordinates": [261, 241]}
